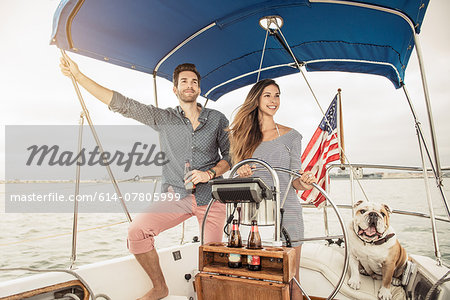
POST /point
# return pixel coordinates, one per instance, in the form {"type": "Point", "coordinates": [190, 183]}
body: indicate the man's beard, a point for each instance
{"type": "Point", "coordinates": [187, 98]}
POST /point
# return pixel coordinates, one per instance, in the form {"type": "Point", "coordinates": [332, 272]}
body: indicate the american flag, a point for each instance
{"type": "Point", "coordinates": [322, 149]}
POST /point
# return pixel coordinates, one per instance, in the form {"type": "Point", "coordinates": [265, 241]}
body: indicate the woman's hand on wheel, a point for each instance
{"type": "Point", "coordinates": [307, 179]}
{"type": "Point", "coordinates": [245, 170]}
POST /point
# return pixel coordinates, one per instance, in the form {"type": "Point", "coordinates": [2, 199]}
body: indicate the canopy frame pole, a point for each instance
{"type": "Point", "coordinates": [369, 6]}
{"type": "Point", "coordinates": [97, 141]}
{"type": "Point", "coordinates": [437, 251]}
{"type": "Point", "coordinates": [282, 40]}
{"type": "Point", "coordinates": [262, 55]}
{"type": "Point", "coordinates": [77, 192]}
{"type": "Point", "coordinates": [430, 115]}
{"type": "Point", "coordinates": [155, 91]}
{"type": "Point", "coordinates": [422, 140]}
{"type": "Point", "coordinates": [187, 40]}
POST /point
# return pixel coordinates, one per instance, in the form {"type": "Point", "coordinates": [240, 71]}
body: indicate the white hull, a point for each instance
{"type": "Point", "coordinates": [123, 278]}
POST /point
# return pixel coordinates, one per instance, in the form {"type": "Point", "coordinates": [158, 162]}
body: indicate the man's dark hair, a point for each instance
{"type": "Point", "coordinates": [184, 67]}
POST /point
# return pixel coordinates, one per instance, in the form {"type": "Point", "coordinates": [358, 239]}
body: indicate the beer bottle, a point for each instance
{"type": "Point", "coordinates": [235, 241]}
{"type": "Point", "coordinates": [254, 242]}
{"type": "Point", "coordinates": [189, 186]}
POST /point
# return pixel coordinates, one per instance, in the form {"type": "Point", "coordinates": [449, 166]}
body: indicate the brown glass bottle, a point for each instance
{"type": "Point", "coordinates": [235, 241]}
{"type": "Point", "coordinates": [254, 242]}
{"type": "Point", "coordinates": [189, 186]}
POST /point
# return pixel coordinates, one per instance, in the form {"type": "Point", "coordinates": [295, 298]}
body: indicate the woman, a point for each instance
{"type": "Point", "coordinates": [254, 134]}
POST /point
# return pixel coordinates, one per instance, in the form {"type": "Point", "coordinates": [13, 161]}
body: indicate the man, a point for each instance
{"type": "Point", "coordinates": [188, 131]}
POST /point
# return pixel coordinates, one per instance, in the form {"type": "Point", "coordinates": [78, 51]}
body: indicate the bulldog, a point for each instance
{"type": "Point", "coordinates": [374, 248]}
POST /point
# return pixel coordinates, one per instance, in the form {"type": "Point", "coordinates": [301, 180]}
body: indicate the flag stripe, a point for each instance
{"type": "Point", "coordinates": [321, 152]}
{"type": "Point", "coordinates": [317, 134]}
{"type": "Point", "coordinates": [322, 149]}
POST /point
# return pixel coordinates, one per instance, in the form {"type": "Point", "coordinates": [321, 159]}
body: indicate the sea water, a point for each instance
{"type": "Point", "coordinates": [44, 240]}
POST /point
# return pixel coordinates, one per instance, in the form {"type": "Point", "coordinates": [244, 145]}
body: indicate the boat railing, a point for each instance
{"type": "Point", "coordinates": [356, 171]}
{"type": "Point", "coordinates": [155, 180]}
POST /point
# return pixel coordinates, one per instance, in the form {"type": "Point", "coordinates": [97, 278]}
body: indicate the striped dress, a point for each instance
{"type": "Point", "coordinates": [285, 152]}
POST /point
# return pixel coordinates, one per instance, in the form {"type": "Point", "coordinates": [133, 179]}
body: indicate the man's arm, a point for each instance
{"type": "Point", "coordinates": [221, 167]}
{"type": "Point", "coordinates": [70, 68]}
{"type": "Point", "coordinates": [146, 114]}
{"type": "Point", "coordinates": [197, 176]}
{"type": "Point", "coordinates": [224, 146]}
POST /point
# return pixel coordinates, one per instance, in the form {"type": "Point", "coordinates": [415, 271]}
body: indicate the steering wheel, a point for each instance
{"type": "Point", "coordinates": [343, 236]}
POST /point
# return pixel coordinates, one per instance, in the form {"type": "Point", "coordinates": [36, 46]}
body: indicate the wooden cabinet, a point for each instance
{"type": "Point", "coordinates": [219, 287]}
{"type": "Point", "coordinates": [216, 281]}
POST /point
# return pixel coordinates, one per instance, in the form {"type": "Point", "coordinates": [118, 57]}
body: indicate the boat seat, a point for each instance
{"type": "Point", "coordinates": [329, 262]}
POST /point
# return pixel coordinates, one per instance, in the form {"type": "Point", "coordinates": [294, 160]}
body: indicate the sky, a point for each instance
{"type": "Point", "coordinates": [378, 125]}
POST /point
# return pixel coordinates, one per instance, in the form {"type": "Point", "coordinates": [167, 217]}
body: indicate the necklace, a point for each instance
{"type": "Point", "coordinates": [273, 128]}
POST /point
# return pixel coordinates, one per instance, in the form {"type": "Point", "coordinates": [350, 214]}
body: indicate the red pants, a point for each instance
{"type": "Point", "coordinates": [165, 215]}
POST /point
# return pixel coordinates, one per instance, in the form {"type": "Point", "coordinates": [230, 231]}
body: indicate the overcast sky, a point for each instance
{"type": "Point", "coordinates": [378, 125]}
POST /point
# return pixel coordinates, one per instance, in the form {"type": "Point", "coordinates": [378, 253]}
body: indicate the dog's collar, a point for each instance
{"type": "Point", "coordinates": [383, 240]}
{"type": "Point", "coordinates": [380, 241]}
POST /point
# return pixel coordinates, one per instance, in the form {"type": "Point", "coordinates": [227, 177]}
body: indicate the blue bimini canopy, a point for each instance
{"type": "Point", "coordinates": [225, 40]}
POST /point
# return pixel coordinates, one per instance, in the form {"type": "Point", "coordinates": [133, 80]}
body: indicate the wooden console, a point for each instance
{"type": "Point", "coordinates": [217, 281]}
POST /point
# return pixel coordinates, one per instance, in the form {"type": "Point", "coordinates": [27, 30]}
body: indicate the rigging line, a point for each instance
{"type": "Point", "coordinates": [262, 54]}
{"type": "Point", "coordinates": [321, 109]}
{"type": "Point", "coordinates": [352, 169]}
{"type": "Point", "coordinates": [301, 71]}
{"type": "Point", "coordinates": [61, 234]}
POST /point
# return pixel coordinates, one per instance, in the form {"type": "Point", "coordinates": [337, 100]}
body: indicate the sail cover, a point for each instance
{"type": "Point", "coordinates": [225, 40]}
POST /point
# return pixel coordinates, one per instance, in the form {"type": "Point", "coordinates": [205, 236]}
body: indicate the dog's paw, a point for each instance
{"type": "Point", "coordinates": [384, 294]}
{"type": "Point", "coordinates": [376, 276]}
{"type": "Point", "coordinates": [363, 271]}
{"type": "Point", "coordinates": [396, 281]}
{"type": "Point", "coordinates": [354, 283]}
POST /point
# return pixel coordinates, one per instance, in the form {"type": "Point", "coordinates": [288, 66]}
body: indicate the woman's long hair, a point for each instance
{"type": "Point", "coordinates": [245, 132]}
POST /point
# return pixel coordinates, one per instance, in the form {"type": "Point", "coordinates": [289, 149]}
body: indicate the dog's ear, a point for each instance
{"type": "Point", "coordinates": [387, 208]}
{"type": "Point", "coordinates": [357, 203]}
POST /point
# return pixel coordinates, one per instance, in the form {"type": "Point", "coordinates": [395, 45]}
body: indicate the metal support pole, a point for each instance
{"type": "Point", "coordinates": [301, 289]}
{"type": "Point", "coordinates": [419, 128]}
{"type": "Point", "coordinates": [291, 178]}
{"type": "Point", "coordinates": [202, 234]}
{"type": "Point", "coordinates": [437, 252]}
{"type": "Point", "coordinates": [422, 140]}
{"type": "Point", "coordinates": [428, 104]}
{"type": "Point", "coordinates": [97, 140]}
{"type": "Point", "coordinates": [77, 192]}
{"type": "Point", "coordinates": [352, 190]}
{"type": "Point", "coordinates": [325, 210]}
{"type": "Point", "coordinates": [155, 92]}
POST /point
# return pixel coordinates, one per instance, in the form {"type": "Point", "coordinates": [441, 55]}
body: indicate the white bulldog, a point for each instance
{"type": "Point", "coordinates": [374, 248]}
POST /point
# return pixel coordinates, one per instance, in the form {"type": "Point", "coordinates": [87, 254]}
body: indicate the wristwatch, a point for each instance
{"type": "Point", "coordinates": [212, 172]}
